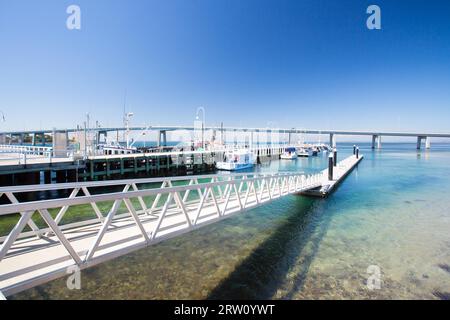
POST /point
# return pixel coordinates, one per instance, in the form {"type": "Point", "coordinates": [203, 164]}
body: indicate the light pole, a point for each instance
{"type": "Point", "coordinates": [85, 139]}
{"type": "Point", "coordinates": [128, 117]}
{"type": "Point", "coordinates": [87, 130]}
{"type": "Point", "coordinates": [3, 119]}
{"type": "Point", "coordinates": [203, 124]}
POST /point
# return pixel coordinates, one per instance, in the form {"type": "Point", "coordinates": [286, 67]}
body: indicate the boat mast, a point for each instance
{"type": "Point", "coordinates": [124, 118]}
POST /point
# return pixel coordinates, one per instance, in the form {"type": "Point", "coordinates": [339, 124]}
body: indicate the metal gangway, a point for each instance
{"type": "Point", "coordinates": [97, 221]}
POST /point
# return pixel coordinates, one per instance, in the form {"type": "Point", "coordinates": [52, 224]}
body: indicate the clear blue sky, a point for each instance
{"type": "Point", "coordinates": [305, 64]}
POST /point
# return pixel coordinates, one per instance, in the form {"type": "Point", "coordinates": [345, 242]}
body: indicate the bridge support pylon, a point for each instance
{"type": "Point", "coordinates": [376, 142]}
{"type": "Point", "coordinates": [162, 138]}
{"type": "Point", "coordinates": [101, 136]}
{"type": "Point", "coordinates": [427, 143]}
{"type": "Point", "coordinates": [419, 142]}
{"type": "Point", "coordinates": [332, 140]}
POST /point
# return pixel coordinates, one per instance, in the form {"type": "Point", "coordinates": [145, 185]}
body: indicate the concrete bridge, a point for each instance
{"type": "Point", "coordinates": [38, 136]}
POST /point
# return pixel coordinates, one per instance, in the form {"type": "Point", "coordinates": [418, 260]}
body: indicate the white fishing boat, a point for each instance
{"type": "Point", "coordinates": [289, 154]}
{"type": "Point", "coordinates": [237, 160]}
{"type": "Point", "coordinates": [305, 152]}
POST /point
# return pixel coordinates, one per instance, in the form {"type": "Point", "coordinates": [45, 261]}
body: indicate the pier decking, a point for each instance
{"type": "Point", "coordinates": [340, 171]}
{"type": "Point", "coordinates": [15, 162]}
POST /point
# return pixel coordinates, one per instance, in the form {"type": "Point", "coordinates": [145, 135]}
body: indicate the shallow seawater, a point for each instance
{"type": "Point", "coordinates": [392, 212]}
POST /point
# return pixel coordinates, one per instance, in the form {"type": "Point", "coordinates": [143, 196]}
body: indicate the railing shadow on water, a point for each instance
{"type": "Point", "coordinates": [262, 273]}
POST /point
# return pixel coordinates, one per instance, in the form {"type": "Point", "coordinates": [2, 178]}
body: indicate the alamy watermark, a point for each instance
{"type": "Point", "coordinates": [374, 279]}
{"type": "Point", "coordinates": [374, 20]}
{"type": "Point", "coordinates": [73, 21]}
{"type": "Point", "coordinates": [74, 280]}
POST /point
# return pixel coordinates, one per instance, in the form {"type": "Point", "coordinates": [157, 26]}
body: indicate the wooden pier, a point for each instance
{"type": "Point", "coordinates": [19, 169]}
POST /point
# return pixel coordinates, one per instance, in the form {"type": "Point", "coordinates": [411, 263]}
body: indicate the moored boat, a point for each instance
{"type": "Point", "coordinates": [289, 154]}
{"type": "Point", "coordinates": [305, 152]}
{"type": "Point", "coordinates": [237, 160]}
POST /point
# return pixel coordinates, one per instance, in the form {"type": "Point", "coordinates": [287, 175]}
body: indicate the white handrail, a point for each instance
{"type": "Point", "coordinates": [120, 182]}
{"type": "Point", "coordinates": [143, 226]}
{"type": "Point", "coordinates": [8, 209]}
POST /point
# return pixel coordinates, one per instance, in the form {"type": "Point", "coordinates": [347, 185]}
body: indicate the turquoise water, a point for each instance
{"type": "Point", "coordinates": [393, 211]}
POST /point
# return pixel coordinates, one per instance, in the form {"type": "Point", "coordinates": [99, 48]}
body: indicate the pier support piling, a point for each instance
{"type": "Point", "coordinates": [61, 176]}
{"type": "Point", "coordinates": [47, 177]}
{"type": "Point", "coordinates": [330, 167]}
{"type": "Point", "coordinates": [335, 157]}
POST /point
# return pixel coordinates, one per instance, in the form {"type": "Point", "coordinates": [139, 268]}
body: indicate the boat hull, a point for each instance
{"type": "Point", "coordinates": [304, 154]}
{"type": "Point", "coordinates": [289, 157]}
{"type": "Point", "coordinates": [227, 166]}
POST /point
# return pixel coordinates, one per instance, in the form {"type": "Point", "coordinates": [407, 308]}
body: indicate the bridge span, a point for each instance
{"type": "Point", "coordinates": [98, 221]}
{"type": "Point", "coordinates": [38, 136]}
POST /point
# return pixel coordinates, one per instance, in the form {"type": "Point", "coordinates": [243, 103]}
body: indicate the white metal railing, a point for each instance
{"type": "Point", "coordinates": [262, 148]}
{"type": "Point", "coordinates": [153, 209]}
{"type": "Point", "coordinates": [35, 150]}
{"type": "Point", "coordinates": [23, 154]}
